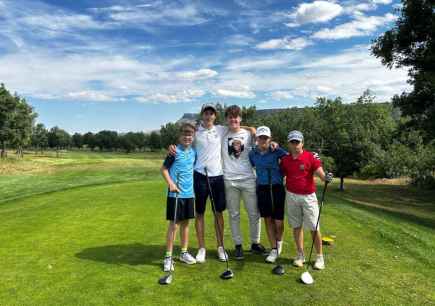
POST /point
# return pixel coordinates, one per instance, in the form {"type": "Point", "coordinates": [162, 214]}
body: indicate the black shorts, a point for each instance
{"type": "Point", "coordinates": [265, 204]}
{"type": "Point", "coordinates": [202, 192]}
{"type": "Point", "coordinates": [185, 209]}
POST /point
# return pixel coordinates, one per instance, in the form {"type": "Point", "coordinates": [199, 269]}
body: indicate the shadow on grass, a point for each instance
{"type": "Point", "coordinates": [125, 254]}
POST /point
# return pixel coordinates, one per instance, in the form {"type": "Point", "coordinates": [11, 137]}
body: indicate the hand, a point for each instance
{"type": "Point", "coordinates": [172, 150]}
{"type": "Point", "coordinates": [329, 177]}
{"type": "Point", "coordinates": [274, 145]}
{"type": "Point", "coordinates": [173, 188]}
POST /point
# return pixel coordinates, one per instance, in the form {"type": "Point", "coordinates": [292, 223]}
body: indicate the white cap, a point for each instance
{"type": "Point", "coordinates": [295, 135]}
{"type": "Point", "coordinates": [263, 131]}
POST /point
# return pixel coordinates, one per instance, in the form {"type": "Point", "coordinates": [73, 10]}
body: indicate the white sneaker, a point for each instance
{"type": "Point", "coordinates": [222, 255]}
{"type": "Point", "coordinates": [319, 264]}
{"type": "Point", "coordinates": [187, 258]}
{"type": "Point", "coordinates": [299, 260]}
{"type": "Point", "coordinates": [279, 246]}
{"type": "Point", "coordinates": [200, 256]}
{"type": "Point", "coordinates": [273, 255]}
{"type": "Point", "coordinates": [168, 264]}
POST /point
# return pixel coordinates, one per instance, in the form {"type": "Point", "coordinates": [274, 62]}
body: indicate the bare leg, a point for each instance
{"type": "Point", "coordinates": [317, 242]}
{"type": "Point", "coordinates": [298, 234]}
{"type": "Point", "coordinates": [170, 236]}
{"type": "Point", "coordinates": [199, 225]}
{"type": "Point", "coordinates": [279, 229]}
{"type": "Point", "coordinates": [270, 229]}
{"type": "Point", "coordinates": [184, 233]}
{"type": "Point", "coordinates": [219, 228]}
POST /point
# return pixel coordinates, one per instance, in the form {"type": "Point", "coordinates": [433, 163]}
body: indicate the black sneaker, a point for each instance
{"type": "Point", "coordinates": [239, 252]}
{"type": "Point", "coordinates": [258, 248]}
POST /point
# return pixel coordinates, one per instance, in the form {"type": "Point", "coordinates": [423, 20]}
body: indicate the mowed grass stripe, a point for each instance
{"type": "Point", "coordinates": [103, 245]}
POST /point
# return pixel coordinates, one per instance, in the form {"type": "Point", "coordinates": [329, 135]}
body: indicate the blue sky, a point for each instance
{"type": "Point", "coordinates": [134, 65]}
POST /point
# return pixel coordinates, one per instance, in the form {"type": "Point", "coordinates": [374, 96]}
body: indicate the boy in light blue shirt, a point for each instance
{"type": "Point", "coordinates": [178, 173]}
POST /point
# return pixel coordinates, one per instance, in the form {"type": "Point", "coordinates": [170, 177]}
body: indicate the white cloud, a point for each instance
{"type": "Point", "coordinates": [360, 26]}
{"type": "Point", "coordinates": [89, 96]}
{"type": "Point", "coordinates": [285, 43]}
{"type": "Point", "coordinates": [198, 74]}
{"type": "Point", "coordinates": [317, 11]}
{"type": "Point", "coordinates": [239, 40]}
{"type": "Point", "coordinates": [242, 92]}
{"type": "Point", "coordinates": [257, 63]}
{"type": "Point", "coordinates": [63, 22]}
{"type": "Point", "coordinates": [176, 97]}
{"type": "Point", "coordinates": [382, 1]}
{"type": "Point", "coordinates": [281, 95]}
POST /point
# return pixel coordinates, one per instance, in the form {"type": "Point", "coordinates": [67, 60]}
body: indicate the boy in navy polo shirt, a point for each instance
{"type": "Point", "coordinates": [299, 168]}
{"type": "Point", "coordinates": [180, 167]}
{"type": "Point", "coordinates": [266, 164]}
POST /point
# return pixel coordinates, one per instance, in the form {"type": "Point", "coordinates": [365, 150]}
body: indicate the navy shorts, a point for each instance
{"type": "Point", "coordinates": [202, 192]}
{"type": "Point", "coordinates": [185, 209]}
{"type": "Point", "coordinates": [264, 201]}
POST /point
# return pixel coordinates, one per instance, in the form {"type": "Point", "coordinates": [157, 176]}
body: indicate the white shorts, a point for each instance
{"type": "Point", "coordinates": [302, 210]}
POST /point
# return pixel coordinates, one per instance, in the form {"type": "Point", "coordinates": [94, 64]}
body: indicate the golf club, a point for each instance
{"type": "Point", "coordinates": [278, 269]}
{"type": "Point", "coordinates": [227, 274]}
{"type": "Point", "coordinates": [306, 277]}
{"type": "Point", "coordinates": [167, 279]}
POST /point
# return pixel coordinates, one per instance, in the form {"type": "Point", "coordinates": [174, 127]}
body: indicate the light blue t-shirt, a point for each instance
{"type": "Point", "coordinates": [181, 165]}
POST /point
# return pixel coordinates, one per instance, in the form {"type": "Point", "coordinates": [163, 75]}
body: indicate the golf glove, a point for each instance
{"type": "Point", "coordinates": [329, 177]}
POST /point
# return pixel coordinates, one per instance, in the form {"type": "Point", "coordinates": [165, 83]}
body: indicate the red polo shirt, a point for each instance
{"type": "Point", "coordinates": [299, 172]}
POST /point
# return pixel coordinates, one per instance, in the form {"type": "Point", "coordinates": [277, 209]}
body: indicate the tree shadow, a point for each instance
{"type": "Point", "coordinates": [125, 254]}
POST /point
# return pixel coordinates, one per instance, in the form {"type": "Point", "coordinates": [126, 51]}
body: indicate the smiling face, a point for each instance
{"type": "Point", "coordinates": [263, 142]}
{"type": "Point", "coordinates": [186, 136]}
{"type": "Point", "coordinates": [295, 146]}
{"type": "Point", "coordinates": [233, 122]}
{"type": "Point", "coordinates": [208, 117]}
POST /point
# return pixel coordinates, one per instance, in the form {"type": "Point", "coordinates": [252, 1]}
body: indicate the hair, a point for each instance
{"type": "Point", "coordinates": [184, 126]}
{"type": "Point", "coordinates": [233, 111]}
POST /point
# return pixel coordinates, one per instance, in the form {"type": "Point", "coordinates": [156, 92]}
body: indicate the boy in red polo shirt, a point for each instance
{"type": "Point", "coordinates": [299, 168]}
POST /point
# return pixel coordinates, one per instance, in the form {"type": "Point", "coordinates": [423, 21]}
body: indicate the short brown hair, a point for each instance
{"type": "Point", "coordinates": [233, 111]}
{"type": "Point", "coordinates": [184, 126]}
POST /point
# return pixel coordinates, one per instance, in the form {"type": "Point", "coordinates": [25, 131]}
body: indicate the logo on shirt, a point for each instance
{"type": "Point", "coordinates": [235, 146]}
{"type": "Point", "coordinates": [302, 167]}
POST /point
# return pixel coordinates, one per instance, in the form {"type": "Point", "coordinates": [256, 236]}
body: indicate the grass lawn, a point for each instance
{"type": "Point", "coordinates": [88, 229]}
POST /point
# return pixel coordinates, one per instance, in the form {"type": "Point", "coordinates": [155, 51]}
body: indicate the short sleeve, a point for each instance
{"type": "Point", "coordinates": [280, 152]}
{"type": "Point", "coordinates": [169, 160]}
{"type": "Point", "coordinates": [251, 158]}
{"type": "Point", "coordinates": [221, 130]}
{"type": "Point", "coordinates": [316, 162]}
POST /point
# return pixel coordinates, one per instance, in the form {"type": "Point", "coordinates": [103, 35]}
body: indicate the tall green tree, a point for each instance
{"type": "Point", "coordinates": [107, 140]}
{"type": "Point", "coordinates": [411, 43]}
{"type": "Point", "coordinates": [89, 140]}
{"type": "Point", "coordinates": [58, 139]}
{"type": "Point", "coordinates": [77, 140]}
{"type": "Point", "coordinates": [39, 137]}
{"type": "Point", "coordinates": [168, 134]}
{"type": "Point", "coordinates": [22, 124]}
{"type": "Point", "coordinates": [155, 141]}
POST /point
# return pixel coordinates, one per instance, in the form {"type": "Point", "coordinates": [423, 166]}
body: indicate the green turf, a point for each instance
{"type": "Point", "coordinates": [89, 230]}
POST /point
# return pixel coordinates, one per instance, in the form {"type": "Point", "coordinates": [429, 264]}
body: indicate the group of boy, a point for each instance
{"type": "Point", "coordinates": [234, 162]}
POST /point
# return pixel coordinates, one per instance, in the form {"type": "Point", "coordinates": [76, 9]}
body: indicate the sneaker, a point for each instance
{"type": "Point", "coordinates": [239, 252]}
{"type": "Point", "coordinates": [319, 264]}
{"type": "Point", "coordinates": [222, 255]}
{"type": "Point", "coordinates": [273, 255]}
{"type": "Point", "coordinates": [279, 245]}
{"type": "Point", "coordinates": [299, 260]}
{"type": "Point", "coordinates": [187, 258]}
{"type": "Point", "coordinates": [258, 248]}
{"type": "Point", "coordinates": [168, 264]}
{"type": "Point", "coordinates": [200, 256]}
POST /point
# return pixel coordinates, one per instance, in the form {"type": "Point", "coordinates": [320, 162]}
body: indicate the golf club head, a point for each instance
{"type": "Point", "coordinates": [165, 280]}
{"type": "Point", "coordinates": [278, 270]}
{"type": "Point", "coordinates": [227, 274]}
{"type": "Point", "coordinates": [306, 278]}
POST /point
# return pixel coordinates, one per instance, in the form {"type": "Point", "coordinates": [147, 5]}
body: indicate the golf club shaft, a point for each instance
{"type": "Point", "coordinates": [272, 201]}
{"type": "Point", "coordinates": [318, 219]}
{"type": "Point", "coordinates": [175, 222]}
{"type": "Point", "coordinates": [213, 208]}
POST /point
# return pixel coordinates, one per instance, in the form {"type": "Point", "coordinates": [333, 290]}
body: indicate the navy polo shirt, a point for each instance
{"type": "Point", "coordinates": [264, 161]}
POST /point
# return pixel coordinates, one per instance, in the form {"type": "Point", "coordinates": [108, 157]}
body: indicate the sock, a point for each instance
{"type": "Point", "coordinates": [183, 250]}
{"type": "Point", "coordinates": [168, 254]}
{"type": "Point", "coordinates": [279, 244]}
{"type": "Point", "coordinates": [319, 255]}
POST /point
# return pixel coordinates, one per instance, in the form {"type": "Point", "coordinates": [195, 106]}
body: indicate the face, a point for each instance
{"type": "Point", "coordinates": [186, 137]}
{"type": "Point", "coordinates": [295, 146]}
{"type": "Point", "coordinates": [234, 121]}
{"type": "Point", "coordinates": [263, 142]}
{"type": "Point", "coordinates": [208, 117]}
